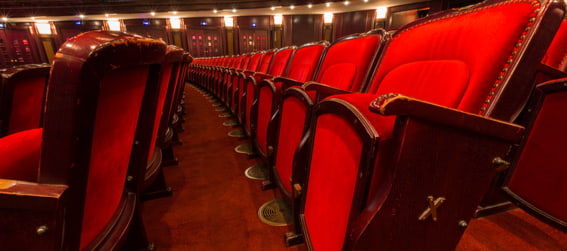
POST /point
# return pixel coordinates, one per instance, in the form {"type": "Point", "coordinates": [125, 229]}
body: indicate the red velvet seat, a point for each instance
{"type": "Point", "coordinates": [77, 186]}
{"type": "Point", "coordinates": [537, 178]}
{"type": "Point", "coordinates": [404, 167]}
{"type": "Point", "coordinates": [300, 68]}
{"type": "Point", "coordinates": [244, 88]}
{"type": "Point", "coordinates": [272, 68]}
{"type": "Point", "coordinates": [154, 181]}
{"type": "Point", "coordinates": [345, 64]}
{"type": "Point", "coordinates": [556, 55]}
{"type": "Point", "coordinates": [239, 79]}
{"type": "Point", "coordinates": [22, 96]}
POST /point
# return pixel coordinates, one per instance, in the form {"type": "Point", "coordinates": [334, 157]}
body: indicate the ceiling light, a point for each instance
{"type": "Point", "coordinates": [273, 8]}
{"type": "Point", "coordinates": [215, 11]}
{"type": "Point", "coordinates": [346, 2]}
{"type": "Point", "coordinates": [152, 13]}
{"type": "Point", "coordinates": [233, 10]}
{"type": "Point", "coordinates": [310, 6]}
{"type": "Point", "coordinates": [292, 7]}
{"type": "Point", "coordinates": [328, 4]}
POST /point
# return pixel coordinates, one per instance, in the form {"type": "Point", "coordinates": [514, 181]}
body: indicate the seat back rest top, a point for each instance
{"type": "Point", "coordinates": [280, 61]}
{"type": "Point", "coordinates": [304, 61]}
{"type": "Point", "coordinates": [346, 62]}
{"type": "Point", "coordinates": [467, 72]}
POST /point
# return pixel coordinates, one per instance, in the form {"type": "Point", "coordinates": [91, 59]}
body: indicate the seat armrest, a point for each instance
{"type": "Point", "coordinates": [287, 82]}
{"type": "Point", "coordinates": [397, 104]}
{"type": "Point", "coordinates": [259, 76]}
{"type": "Point", "coordinates": [322, 90]}
{"type": "Point", "coordinates": [550, 72]}
{"type": "Point", "coordinates": [29, 195]}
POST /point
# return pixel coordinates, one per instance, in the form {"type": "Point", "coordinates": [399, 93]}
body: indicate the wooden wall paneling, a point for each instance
{"type": "Point", "coordinates": [254, 33]}
{"type": "Point", "coordinates": [153, 28]}
{"type": "Point", "coordinates": [306, 29]}
{"type": "Point", "coordinates": [401, 15]}
{"type": "Point", "coordinates": [206, 36]}
{"type": "Point", "coordinates": [4, 50]}
{"type": "Point", "coordinates": [22, 45]}
{"type": "Point", "coordinates": [287, 26]}
{"type": "Point", "coordinates": [68, 29]}
{"type": "Point", "coordinates": [348, 23]}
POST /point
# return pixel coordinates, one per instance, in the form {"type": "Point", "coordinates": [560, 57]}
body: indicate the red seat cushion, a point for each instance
{"type": "Point", "coordinates": [19, 155]}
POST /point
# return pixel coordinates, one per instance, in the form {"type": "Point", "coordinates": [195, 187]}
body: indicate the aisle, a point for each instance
{"type": "Point", "coordinates": [214, 206]}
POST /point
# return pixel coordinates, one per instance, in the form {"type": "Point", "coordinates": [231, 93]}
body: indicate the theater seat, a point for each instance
{"type": "Point", "coordinates": [344, 65]}
{"type": "Point", "coordinates": [22, 96]}
{"type": "Point", "coordinates": [404, 166]}
{"type": "Point", "coordinates": [536, 181]}
{"type": "Point", "coordinates": [78, 188]}
{"type": "Point", "coordinates": [154, 181]}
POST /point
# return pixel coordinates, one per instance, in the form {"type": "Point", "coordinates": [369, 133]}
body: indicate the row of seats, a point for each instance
{"type": "Point", "coordinates": [84, 139]}
{"type": "Point", "coordinates": [381, 138]}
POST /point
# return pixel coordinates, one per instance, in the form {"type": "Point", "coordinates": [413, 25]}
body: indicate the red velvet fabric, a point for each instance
{"type": "Point", "coordinates": [332, 178]}
{"type": "Point", "coordinates": [556, 55]}
{"type": "Point", "coordinates": [119, 104]}
{"type": "Point", "coordinates": [304, 62]}
{"type": "Point", "coordinates": [279, 62]}
{"type": "Point", "coordinates": [27, 104]}
{"type": "Point", "coordinates": [165, 79]}
{"type": "Point", "coordinates": [263, 118]}
{"type": "Point", "coordinates": [254, 61]}
{"type": "Point", "coordinates": [20, 153]}
{"type": "Point", "coordinates": [346, 62]}
{"type": "Point", "coordinates": [291, 131]}
{"type": "Point", "coordinates": [461, 38]}
{"type": "Point", "coordinates": [541, 174]}
{"type": "Point", "coordinates": [265, 62]}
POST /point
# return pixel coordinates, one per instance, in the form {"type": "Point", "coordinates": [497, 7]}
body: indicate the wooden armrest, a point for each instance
{"type": "Point", "coordinates": [322, 90]}
{"type": "Point", "coordinates": [29, 195]}
{"type": "Point", "coordinates": [287, 82]}
{"type": "Point", "coordinates": [397, 104]}
{"type": "Point", "coordinates": [551, 72]}
{"type": "Point", "coordinates": [259, 76]}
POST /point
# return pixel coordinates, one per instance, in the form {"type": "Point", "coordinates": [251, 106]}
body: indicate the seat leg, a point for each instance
{"type": "Point", "coordinates": [293, 239]}
{"type": "Point", "coordinates": [158, 189]}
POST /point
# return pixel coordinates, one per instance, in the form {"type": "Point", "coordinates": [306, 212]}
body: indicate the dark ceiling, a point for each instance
{"type": "Point", "coordinates": [28, 8]}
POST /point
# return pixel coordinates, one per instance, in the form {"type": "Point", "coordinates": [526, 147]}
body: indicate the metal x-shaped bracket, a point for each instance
{"type": "Point", "coordinates": [432, 209]}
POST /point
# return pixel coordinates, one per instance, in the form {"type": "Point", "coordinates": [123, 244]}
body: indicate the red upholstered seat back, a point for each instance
{"type": "Point", "coordinates": [449, 60]}
{"type": "Point", "coordinates": [347, 61]}
{"type": "Point", "coordinates": [168, 76]}
{"type": "Point", "coordinates": [539, 172]}
{"type": "Point", "coordinates": [304, 61]}
{"type": "Point", "coordinates": [112, 144]}
{"type": "Point", "coordinates": [254, 61]}
{"type": "Point", "coordinates": [280, 60]}
{"type": "Point", "coordinates": [94, 104]}
{"type": "Point", "coordinates": [556, 55]}
{"type": "Point", "coordinates": [22, 98]}
{"type": "Point", "coordinates": [265, 62]}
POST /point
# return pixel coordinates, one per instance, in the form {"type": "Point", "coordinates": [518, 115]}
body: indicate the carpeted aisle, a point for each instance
{"type": "Point", "coordinates": [214, 206]}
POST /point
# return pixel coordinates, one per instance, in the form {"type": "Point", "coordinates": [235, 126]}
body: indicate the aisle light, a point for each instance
{"type": "Point", "coordinates": [44, 28]}
{"type": "Point", "coordinates": [328, 18]}
{"type": "Point", "coordinates": [175, 23]}
{"type": "Point", "coordinates": [113, 24]}
{"type": "Point", "coordinates": [228, 21]}
{"type": "Point", "coordinates": [278, 19]}
{"type": "Point", "coordinates": [381, 12]}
